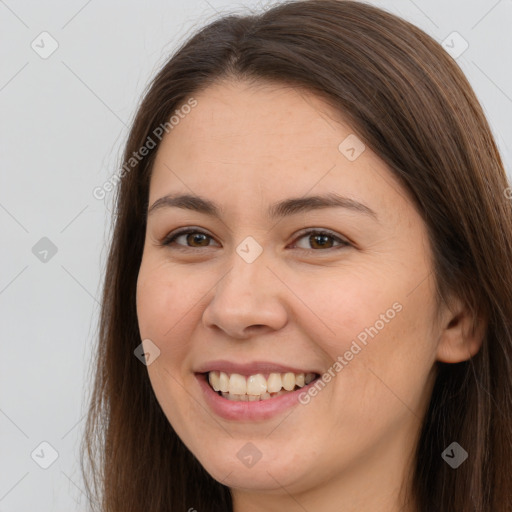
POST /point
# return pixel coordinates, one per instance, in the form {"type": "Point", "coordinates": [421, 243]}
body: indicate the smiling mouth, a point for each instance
{"type": "Point", "coordinates": [259, 387]}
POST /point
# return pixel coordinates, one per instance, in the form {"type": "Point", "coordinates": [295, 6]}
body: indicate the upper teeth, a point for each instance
{"type": "Point", "coordinates": [257, 384]}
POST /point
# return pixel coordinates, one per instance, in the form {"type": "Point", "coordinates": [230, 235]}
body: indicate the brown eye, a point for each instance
{"type": "Point", "coordinates": [195, 239]}
{"type": "Point", "coordinates": [191, 236]}
{"type": "Point", "coordinates": [199, 238]}
{"type": "Point", "coordinates": [321, 240]}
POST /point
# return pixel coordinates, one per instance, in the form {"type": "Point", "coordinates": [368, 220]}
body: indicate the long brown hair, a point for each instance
{"type": "Point", "coordinates": [407, 99]}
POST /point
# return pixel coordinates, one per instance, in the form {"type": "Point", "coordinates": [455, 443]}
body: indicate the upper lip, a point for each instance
{"type": "Point", "coordinates": [247, 369]}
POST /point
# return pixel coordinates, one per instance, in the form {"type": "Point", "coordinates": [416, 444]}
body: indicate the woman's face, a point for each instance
{"type": "Point", "coordinates": [257, 284]}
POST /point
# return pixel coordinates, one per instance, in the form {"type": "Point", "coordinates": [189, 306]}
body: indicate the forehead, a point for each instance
{"type": "Point", "coordinates": [231, 114]}
{"type": "Point", "coordinates": [262, 142]}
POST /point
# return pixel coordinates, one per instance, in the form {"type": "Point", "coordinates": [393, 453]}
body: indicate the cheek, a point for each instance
{"type": "Point", "coordinates": [158, 321]}
{"type": "Point", "coordinates": [170, 302]}
{"type": "Point", "coordinates": [161, 307]}
{"type": "Point", "coordinates": [352, 306]}
{"type": "Point", "coordinates": [160, 316]}
{"type": "Point", "coordinates": [383, 334]}
{"type": "Point", "coordinates": [151, 304]}
{"type": "Point", "coordinates": [388, 377]}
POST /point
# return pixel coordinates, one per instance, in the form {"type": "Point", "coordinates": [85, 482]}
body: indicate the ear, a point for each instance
{"type": "Point", "coordinates": [461, 334]}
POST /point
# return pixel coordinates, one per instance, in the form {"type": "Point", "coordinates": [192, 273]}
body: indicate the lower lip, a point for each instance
{"type": "Point", "coordinates": [249, 411]}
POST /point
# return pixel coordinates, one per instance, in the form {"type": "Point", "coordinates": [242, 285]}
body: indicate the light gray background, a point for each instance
{"type": "Point", "coordinates": [64, 120]}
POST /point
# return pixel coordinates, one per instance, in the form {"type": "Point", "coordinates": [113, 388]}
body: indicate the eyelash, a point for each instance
{"type": "Point", "coordinates": [169, 239]}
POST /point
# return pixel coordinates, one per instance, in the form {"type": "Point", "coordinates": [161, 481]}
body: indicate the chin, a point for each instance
{"type": "Point", "coordinates": [262, 475]}
{"type": "Point", "coordinates": [262, 478]}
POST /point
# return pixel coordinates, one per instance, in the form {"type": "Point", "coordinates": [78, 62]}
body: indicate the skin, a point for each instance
{"type": "Point", "coordinates": [246, 146]}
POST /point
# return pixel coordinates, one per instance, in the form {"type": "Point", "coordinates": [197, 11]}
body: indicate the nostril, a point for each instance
{"type": "Point", "coordinates": [255, 327]}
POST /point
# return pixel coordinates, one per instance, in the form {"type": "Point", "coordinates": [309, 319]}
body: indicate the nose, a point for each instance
{"type": "Point", "coordinates": [248, 300]}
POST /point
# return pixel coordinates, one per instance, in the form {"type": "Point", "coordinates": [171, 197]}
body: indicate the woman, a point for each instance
{"type": "Point", "coordinates": [307, 301]}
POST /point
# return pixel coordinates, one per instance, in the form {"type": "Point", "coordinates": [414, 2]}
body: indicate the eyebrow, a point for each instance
{"type": "Point", "coordinates": [277, 210]}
